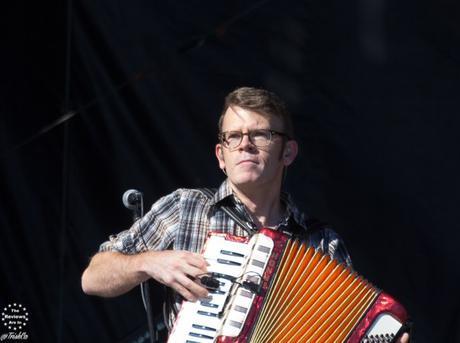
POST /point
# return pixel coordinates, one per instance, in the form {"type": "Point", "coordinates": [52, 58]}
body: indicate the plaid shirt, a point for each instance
{"type": "Point", "coordinates": [182, 220]}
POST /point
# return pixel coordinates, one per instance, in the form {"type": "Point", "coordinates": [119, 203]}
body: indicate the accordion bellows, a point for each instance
{"type": "Point", "coordinates": [273, 288]}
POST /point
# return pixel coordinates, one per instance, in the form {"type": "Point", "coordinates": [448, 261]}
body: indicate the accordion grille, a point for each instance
{"type": "Point", "coordinates": [312, 298]}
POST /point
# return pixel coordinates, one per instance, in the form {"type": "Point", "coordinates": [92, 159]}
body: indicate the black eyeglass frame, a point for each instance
{"type": "Point", "coordinates": [272, 133]}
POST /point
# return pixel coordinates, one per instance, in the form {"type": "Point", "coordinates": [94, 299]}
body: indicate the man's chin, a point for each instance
{"type": "Point", "coordinates": [246, 181]}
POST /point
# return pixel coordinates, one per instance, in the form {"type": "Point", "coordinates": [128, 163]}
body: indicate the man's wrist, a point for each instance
{"type": "Point", "coordinates": [140, 265]}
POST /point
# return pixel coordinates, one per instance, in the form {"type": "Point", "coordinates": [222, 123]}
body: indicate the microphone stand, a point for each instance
{"type": "Point", "coordinates": [137, 207]}
{"type": "Point", "coordinates": [145, 292]}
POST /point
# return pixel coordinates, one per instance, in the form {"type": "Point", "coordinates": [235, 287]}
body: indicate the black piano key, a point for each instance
{"type": "Point", "coordinates": [231, 253]}
{"type": "Point", "coordinates": [216, 291]}
{"type": "Point", "coordinates": [241, 309]}
{"type": "Point", "coordinates": [209, 314]}
{"type": "Point", "coordinates": [236, 324]}
{"type": "Point", "coordinates": [199, 335]}
{"type": "Point", "coordinates": [258, 263]}
{"type": "Point", "coordinates": [202, 327]}
{"type": "Point", "coordinates": [245, 293]}
{"type": "Point", "coordinates": [208, 304]}
{"type": "Point", "coordinates": [228, 262]}
{"type": "Point", "coordinates": [263, 249]}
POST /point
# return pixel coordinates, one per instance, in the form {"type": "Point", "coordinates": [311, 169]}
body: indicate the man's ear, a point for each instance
{"type": "Point", "coordinates": [291, 149]}
{"type": "Point", "coordinates": [219, 151]}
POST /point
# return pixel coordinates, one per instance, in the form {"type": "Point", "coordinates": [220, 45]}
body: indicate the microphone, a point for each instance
{"type": "Point", "coordinates": [132, 199]}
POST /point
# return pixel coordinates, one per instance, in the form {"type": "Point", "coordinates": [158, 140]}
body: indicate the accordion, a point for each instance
{"type": "Point", "coordinates": [275, 288]}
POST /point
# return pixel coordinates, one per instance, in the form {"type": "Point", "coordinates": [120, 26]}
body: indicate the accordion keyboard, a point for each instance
{"type": "Point", "coordinates": [229, 263]}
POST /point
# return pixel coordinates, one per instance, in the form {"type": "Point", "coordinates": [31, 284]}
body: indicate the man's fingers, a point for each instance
{"type": "Point", "coordinates": [183, 291]}
{"type": "Point", "coordinates": [404, 338]}
{"type": "Point", "coordinates": [196, 260]}
{"type": "Point", "coordinates": [193, 271]}
{"type": "Point", "coordinates": [177, 269]}
{"type": "Point", "coordinates": [194, 288]}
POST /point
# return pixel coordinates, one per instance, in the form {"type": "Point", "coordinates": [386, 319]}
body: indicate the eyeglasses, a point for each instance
{"type": "Point", "coordinates": [259, 138]}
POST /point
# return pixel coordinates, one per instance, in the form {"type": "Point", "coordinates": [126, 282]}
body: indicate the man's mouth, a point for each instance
{"type": "Point", "coordinates": [247, 162]}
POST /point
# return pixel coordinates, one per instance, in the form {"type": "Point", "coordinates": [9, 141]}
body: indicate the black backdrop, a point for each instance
{"type": "Point", "coordinates": [101, 96]}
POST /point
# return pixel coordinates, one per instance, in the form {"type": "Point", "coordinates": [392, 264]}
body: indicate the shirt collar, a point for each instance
{"type": "Point", "coordinates": [225, 191]}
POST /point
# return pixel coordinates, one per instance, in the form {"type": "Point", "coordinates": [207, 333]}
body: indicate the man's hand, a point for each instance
{"type": "Point", "coordinates": [110, 274]}
{"type": "Point", "coordinates": [177, 269]}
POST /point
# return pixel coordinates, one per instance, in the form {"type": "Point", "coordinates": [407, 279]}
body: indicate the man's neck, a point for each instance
{"type": "Point", "coordinates": [264, 205]}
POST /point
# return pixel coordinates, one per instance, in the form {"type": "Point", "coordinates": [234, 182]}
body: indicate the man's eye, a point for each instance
{"type": "Point", "coordinates": [233, 136]}
{"type": "Point", "coordinates": [261, 134]}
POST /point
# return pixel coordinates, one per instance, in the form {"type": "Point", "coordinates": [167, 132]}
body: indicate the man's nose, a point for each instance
{"type": "Point", "coordinates": [246, 143]}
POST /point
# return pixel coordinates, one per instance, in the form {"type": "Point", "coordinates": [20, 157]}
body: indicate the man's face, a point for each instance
{"type": "Point", "coordinates": [249, 166]}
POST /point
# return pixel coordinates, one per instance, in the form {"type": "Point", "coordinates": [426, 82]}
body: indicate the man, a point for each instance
{"type": "Point", "coordinates": [255, 147]}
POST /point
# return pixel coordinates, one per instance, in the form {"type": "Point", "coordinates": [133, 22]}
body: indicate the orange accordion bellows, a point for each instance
{"type": "Point", "coordinates": [297, 295]}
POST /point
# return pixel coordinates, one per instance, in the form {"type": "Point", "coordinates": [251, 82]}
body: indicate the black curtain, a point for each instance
{"type": "Point", "coordinates": [99, 97]}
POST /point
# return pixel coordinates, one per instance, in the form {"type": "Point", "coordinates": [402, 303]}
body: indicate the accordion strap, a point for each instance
{"type": "Point", "coordinates": [231, 211]}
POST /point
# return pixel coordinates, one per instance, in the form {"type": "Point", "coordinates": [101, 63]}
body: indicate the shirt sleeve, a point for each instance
{"type": "Point", "coordinates": [154, 231]}
{"type": "Point", "coordinates": [335, 247]}
{"type": "Point", "coordinates": [329, 242]}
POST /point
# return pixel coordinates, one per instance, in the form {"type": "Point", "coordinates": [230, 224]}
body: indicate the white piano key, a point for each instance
{"type": "Point", "coordinates": [207, 321]}
{"type": "Point", "coordinates": [217, 243]}
{"type": "Point", "coordinates": [201, 330]}
{"type": "Point", "coordinates": [241, 248]}
{"type": "Point", "coordinates": [232, 253]}
{"type": "Point", "coordinates": [257, 255]}
{"type": "Point", "coordinates": [215, 267]}
{"type": "Point", "coordinates": [219, 302]}
{"type": "Point", "coordinates": [202, 336]}
{"type": "Point", "coordinates": [243, 301]}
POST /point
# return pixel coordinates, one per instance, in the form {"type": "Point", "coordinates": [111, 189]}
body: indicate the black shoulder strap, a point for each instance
{"type": "Point", "coordinates": [230, 211]}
